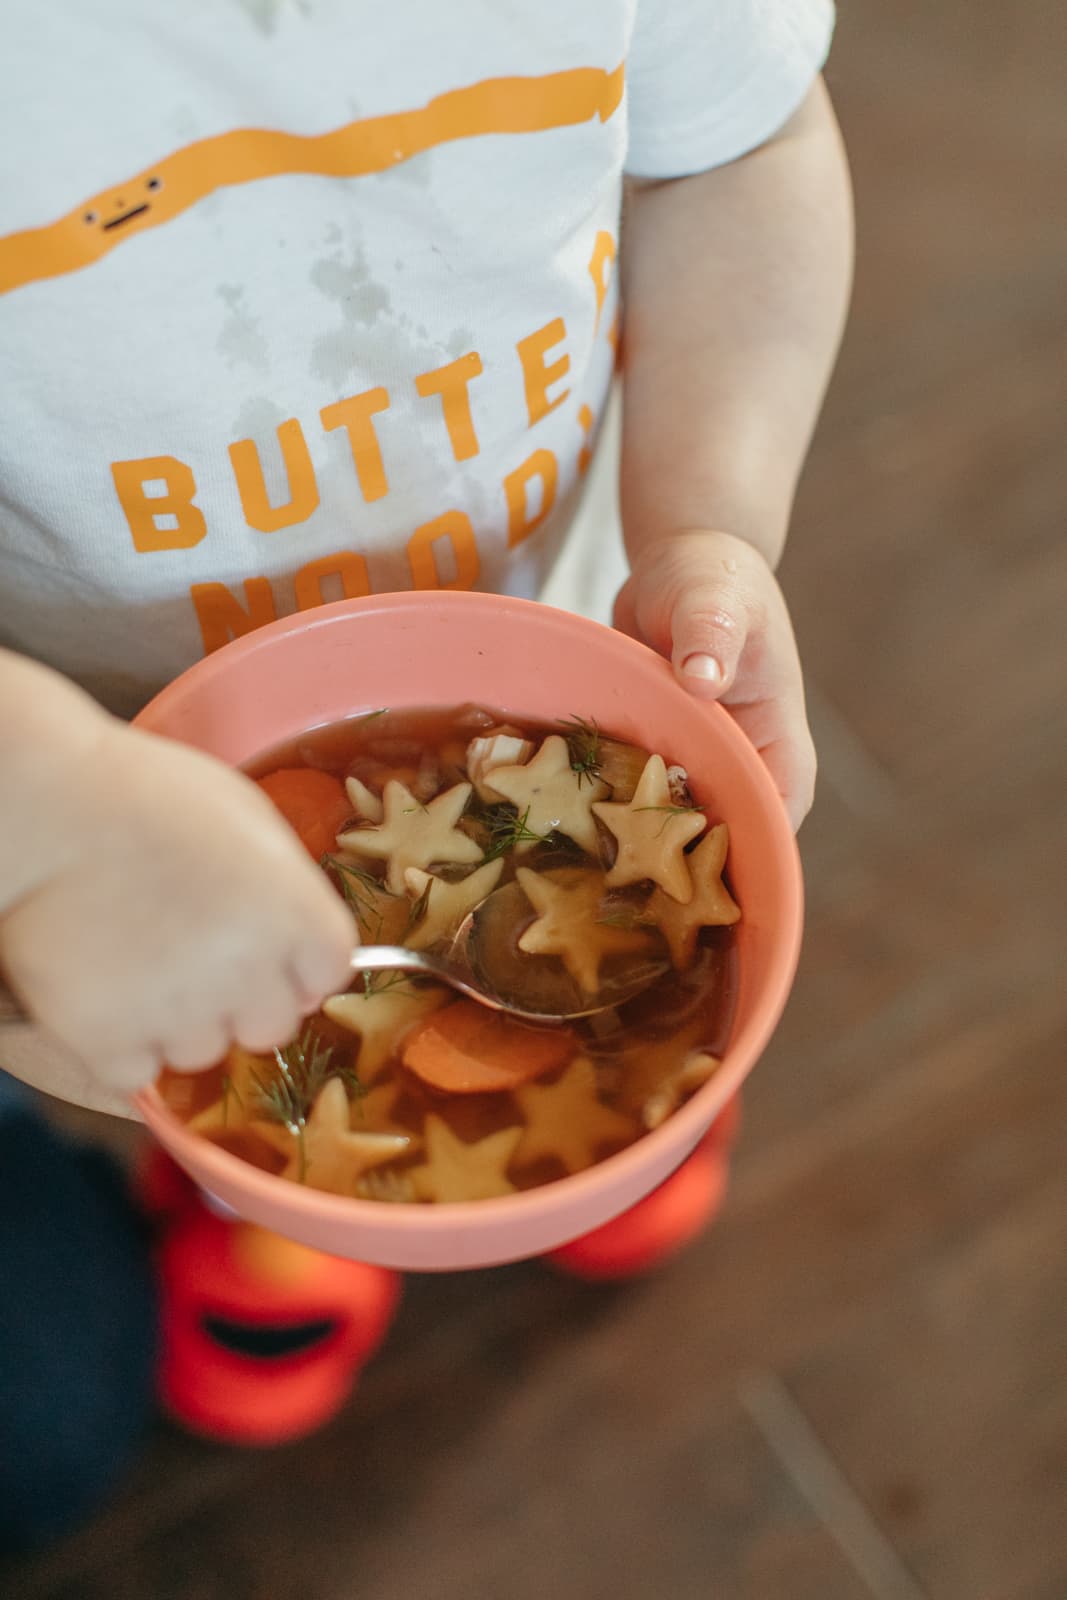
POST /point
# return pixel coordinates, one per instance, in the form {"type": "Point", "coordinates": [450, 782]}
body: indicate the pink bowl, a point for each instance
{"type": "Point", "coordinates": [530, 660]}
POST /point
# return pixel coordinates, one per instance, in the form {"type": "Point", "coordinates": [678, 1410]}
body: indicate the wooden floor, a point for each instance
{"type": "Point", "coordinates": [856, 1387]}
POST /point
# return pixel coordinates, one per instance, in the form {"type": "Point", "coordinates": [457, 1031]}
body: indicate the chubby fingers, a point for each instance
{"type": "Point", "coordinates": [276, 990]}
{"type": "Point", "coordinates": [710, 603]}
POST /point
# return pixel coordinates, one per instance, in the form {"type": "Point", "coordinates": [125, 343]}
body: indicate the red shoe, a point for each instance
{"type": "Point", "coordinates": [665, 1221]}
{"type": "Point", "coordinates": [262, 1340]}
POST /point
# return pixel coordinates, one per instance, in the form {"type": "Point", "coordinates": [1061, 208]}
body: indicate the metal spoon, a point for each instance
{"type": "Point", "coordinates": [457, 975]}
{"type": "Point", "coordinates": [483, 943]}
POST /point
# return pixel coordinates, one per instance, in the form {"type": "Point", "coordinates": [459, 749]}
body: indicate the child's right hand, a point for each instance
{"type": "Point", "coordinates": [176, 913]}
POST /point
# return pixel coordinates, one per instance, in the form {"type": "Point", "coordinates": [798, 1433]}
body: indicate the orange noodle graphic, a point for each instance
{"type": "Point", "coordinates": [175, 183]}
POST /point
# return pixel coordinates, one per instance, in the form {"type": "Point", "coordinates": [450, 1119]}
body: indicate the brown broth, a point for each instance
{"type": "Point", "coordinates": [631, 1049]}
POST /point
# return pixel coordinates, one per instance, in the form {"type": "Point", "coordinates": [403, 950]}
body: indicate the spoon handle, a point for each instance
{"type": "Point", "coordinates": [367, 958]}
{"type": "Point", "coordinates": [395, 958]}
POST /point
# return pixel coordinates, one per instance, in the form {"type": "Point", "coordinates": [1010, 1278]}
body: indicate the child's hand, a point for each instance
{"type": "Point", "coordinates": [177, 914]}
{"type": "Point", "coordinates": [710, 603]}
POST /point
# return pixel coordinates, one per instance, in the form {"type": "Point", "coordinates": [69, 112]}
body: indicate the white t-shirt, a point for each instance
{"type": "Point", "coordinates": [311, 298]}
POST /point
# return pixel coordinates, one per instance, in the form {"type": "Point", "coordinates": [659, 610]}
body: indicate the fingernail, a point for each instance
{"type": "Point", "coordinates": [706, 668]}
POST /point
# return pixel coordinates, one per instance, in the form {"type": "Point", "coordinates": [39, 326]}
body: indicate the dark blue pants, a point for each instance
{"type": "Point", "coordinates": [77, 1327]}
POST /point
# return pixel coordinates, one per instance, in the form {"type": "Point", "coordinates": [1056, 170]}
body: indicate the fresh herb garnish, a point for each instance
{"type": "Point", "coordinates": [288, 1094]}
{"type": "Point", "coordinates": [417, 910]}
{"type": "Point", "coordinates": [583, 741]}
{"type": "Point", "coordinates": [668, 813]}
{"type": "Point", "coordinates": [382, 982]}
{"type": "Point", "coordinates": [674, 811]}
{"type": "Point", "coordinates": [507, 829]}
{"type": "Point", "coordinates": [361, 890]}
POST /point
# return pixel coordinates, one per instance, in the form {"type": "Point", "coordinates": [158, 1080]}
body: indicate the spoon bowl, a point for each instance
{"type": "Point", "coordinates": [483, 962]}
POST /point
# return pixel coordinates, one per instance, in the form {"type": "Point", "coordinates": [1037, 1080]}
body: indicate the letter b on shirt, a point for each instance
{"type": "Point", "coordinates": [183, 523]}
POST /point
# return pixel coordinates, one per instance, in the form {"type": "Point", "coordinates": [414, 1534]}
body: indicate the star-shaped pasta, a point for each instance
{"type": "Point", "coordinates": [447, 904]}
{"type": "Point", "coordinates": [568, 1120]}
{"type": "Point", "coordinates": [710, 907]}
{"type": "Point", "coordinates": [387, 1185]}
{"type": "Point", "coordinates": [653, 1074]}
{"type": "Point", "coordinates": [569, 906]}
{"type": "Point", "coordinates": [381, 1017]}
{"type": "Point", "coordinates": [333, 1157]}
{"type": "Point", "coordinates": [365, 803]}
{"type": "Point", "coordinates": [454, 1171]}
{"type": "Point", "coordinates": [652, 835]}
{"type": "Point", "coordinates": [552, 796]}
{"type": "Point", "coordinates": [490, 752]}
{"type": "Point", "coordinates": [414, 835]}
{"type": "Point", "coordinates": [696, 1068]}
{"type": "Point", "coordinates": [374, 1112]}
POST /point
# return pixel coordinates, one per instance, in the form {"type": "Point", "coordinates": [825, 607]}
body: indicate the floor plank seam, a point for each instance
{"type": "Point", "coordinates": [820, 1481]}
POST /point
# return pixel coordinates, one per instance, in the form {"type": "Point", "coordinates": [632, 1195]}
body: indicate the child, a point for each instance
{"type": "Point", "coordinates": [308, 300]}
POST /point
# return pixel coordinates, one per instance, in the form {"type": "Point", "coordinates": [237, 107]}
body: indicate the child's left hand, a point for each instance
{"type": "Point", "coordinates": [711, 604]}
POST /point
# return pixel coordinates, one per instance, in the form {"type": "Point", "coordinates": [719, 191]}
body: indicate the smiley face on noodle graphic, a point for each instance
{"type": "Point", "coordinates": [120, 209]}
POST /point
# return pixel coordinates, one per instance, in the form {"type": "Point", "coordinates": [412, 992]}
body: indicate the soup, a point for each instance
{"type": "Point", "coordinates": [569, 863]}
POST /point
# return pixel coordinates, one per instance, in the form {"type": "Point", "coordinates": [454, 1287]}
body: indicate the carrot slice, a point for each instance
{"type": "Point", "coordinates": [466, 1049]}
{"type": "Point", "coordinates": [313, 803]}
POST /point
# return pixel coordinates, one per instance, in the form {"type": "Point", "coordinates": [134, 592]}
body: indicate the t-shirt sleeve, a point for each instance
{"type": "Point", "coordinates": [709, 80]}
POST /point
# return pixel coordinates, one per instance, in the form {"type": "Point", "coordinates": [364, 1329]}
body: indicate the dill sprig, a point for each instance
{"type": "Point", "coordinates": [383, 982]}
{"type": "Point", "coordinates": [507, 829]}
{"type": "Point", "coordinates": [417, 910]}
{"type": "Point", "coordinates": [287, 1095]}
{"type": "Point", "coordinates": [361, 890]}
{"type": "Point", "coordinates": [583, 740]}
{"type": "Point", "coordinates": [669, 812]}
{"type": "Point", "coordinates": [675, 811]}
